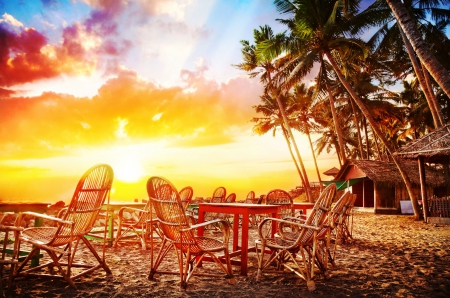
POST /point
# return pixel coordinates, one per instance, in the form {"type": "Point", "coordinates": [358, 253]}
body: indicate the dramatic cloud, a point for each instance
{"type": "Point", "coordinates": [128, 109]}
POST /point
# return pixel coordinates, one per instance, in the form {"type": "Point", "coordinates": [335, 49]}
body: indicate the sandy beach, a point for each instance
{"type": "Point", "coordinates": [390, 256]}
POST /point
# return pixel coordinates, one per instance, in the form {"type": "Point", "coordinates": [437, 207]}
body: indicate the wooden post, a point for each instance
{"type": "Point", "coordinates": [423, 188]}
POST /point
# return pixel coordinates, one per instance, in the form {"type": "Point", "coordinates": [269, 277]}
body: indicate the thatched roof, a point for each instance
{"type": "Point", "coordinates": [331, 172]}
{"type": "Point", "coordinates": [387, 172]}
{"type": "Point", "coordinates": [434, 147]}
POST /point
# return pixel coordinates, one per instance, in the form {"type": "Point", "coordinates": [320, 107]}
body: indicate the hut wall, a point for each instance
{"type": "Point", "coordinates": [364, 191]}
{"type": "Point", "coordinates": [385, 196]}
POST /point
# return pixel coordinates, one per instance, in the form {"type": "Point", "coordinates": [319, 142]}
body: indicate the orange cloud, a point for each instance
{"type": "Point", "coordinates": [127, 109]}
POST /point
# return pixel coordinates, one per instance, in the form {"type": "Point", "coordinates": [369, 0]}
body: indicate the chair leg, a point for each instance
{"type": "Point", "coordinates": [101, 261]}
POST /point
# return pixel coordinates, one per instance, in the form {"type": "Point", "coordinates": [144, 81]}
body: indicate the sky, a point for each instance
{"type": "Point", "coordinates": [148, 87]}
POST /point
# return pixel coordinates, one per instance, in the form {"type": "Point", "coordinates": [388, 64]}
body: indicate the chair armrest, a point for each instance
{"type": "Point", "coordinates": [44, 216]}
{"type": "Point", "coordinates": [206, 223]}
{"type": "Point", "coordinates": [225, 227]}
{"type": "Point", "coordinates": [280, 222]}
{"type": "Point", "coordinates": [130, 209]}
{"type": "Point", "coordinates": [10, 228]}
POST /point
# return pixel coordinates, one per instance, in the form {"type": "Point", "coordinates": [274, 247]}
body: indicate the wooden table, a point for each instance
{"type": "Point", "coordinates": [303, 206]}
{"type": "Point", "coordinates": [236, 209]}
{"type": "Point", "coordinates": [22, 207]}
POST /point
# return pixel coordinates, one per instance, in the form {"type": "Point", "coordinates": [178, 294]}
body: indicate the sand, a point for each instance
{"type": "Point", "coordinates": [390, 256]}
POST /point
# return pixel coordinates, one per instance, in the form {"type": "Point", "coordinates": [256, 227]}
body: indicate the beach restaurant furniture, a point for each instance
{"type": "Point", "coordinates": [186, 194]}
{"type": "Point", "coordinates": [219, 196]}
{"type": "Point", "coordinates": [134, 226]}
{"type": "Point", "coordinates": [62, 241]}
{"type": "Point", "coordinates": [12, 261]}
{"type": "Point", "coordinates": [237, 210]}
{"type": "Point", "coordinates": [334, 228]}
{"type": "Point", "coordinates": [297, 255]}
{"type": "Point", "coordinates": [179, 235]}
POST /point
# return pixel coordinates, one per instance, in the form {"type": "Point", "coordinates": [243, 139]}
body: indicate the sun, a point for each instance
{"type": "Point", "coordinates": [128, 170]}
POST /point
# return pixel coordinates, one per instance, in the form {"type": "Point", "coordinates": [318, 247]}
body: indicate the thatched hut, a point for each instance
{"type": "Point", "coordinates": [433, 148]}
{"type": "Point", "coordinates": [378, 184]}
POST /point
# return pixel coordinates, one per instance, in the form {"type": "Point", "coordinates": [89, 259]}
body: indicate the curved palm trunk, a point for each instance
{"type": "Point", "coordinates": [366, 136]}
{"type": "Point", "coordinates": [420, 73]}
{"type": "Point", "coordinates": [315, 160]}
{"type": "Point", "coordinates": [426, 75]}
{"type": "Point", "coordinates": [361, 150]}
{"type": "Point", "coordinates": [336, 125]}
{"type": "Point", "coordinates": [378, 132]}
{"type": "Point", "coordinates": [288, 128]}
{"type": "Point", "coordinates": [292, 155]}
{"type": "Point", "coordinates": [437, 71]}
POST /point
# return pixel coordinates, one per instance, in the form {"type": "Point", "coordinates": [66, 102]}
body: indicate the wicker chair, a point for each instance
{"type": "Point", "coordinates": [219, 196]}
{"type": "Point", "coordinates": [186, 194]}
{"type": "Point", "coordinates": [250, 199]}
{"type": "Point", "coordinates": [347, 221]}
{"type": "Point", "coordinates": [7, 261]}
{"type": "Point", "coordinates": [284, 250]}
{"type": "Point", "coordinates": [231, 198]}
{"type": "Point", "coordinates": [333, 231]}
{"type": "Point", "coordinates": [281, 198]}
{"type": "Point", "coordinates": [180, 235]}
{"type": "Point", "coordinates": [135, 226]}
{"type": "Point", "coordinates": [62, 241]}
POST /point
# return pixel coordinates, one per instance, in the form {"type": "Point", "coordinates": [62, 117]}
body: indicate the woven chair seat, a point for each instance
{"type": "Point", "coordinates": [209, 244]}
{"type": "Point", "coordinates": [40, 234]}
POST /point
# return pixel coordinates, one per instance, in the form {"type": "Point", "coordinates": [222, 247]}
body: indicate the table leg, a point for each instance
{"type": "Point", "coordinates": [111, 228]}
{"type": "Point", "coordinates": [236, 232]}
{"type": "Point", "coordinates": [244, 245]}
{"type": "Point", "coordinates": [201, 218]}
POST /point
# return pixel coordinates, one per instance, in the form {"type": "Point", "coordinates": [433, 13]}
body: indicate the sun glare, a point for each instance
{"type": "Point", "coordinates": [128, 170]}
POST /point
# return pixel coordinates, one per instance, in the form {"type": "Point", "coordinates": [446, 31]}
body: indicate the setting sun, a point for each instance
{"type": "Point", "coordinates": [128, 170]}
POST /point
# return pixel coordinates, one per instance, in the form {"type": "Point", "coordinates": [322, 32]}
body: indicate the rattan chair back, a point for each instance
{"type": "Point", "coordinates": [231, 198]}
{"type": "Point", "coordinates": [186, 194]}
{"type": "Point", "coordinates": [90, 194]}
{"type": "Point", "coordinates": [171, 215]}
{"type": "Point", "coordinates": [283, 200]}
{"type": "Point", "coordinates": [319, 213]}
{"type": "Point", "coordinates": [219, 195]}
{"type": "Point", "coordinates": [250, 199]}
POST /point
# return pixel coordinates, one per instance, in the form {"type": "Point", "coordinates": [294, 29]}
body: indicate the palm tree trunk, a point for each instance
{"type": "Point", "coordinates": [429, 95]}
{"type": "Point", "coordinates": [300, 160]}
{"type": "Point", "coordinates": [315, 160]}
{"type": "Point", "coordinates": [378, 132]}
{"type": "Point", "coordinates": [426, 75]}
{"type": "Point", "coordinates": [292, 155]}
{"type": "Point", "coordinates": [361, 150]}
{"type": "Point", "coordinates": [437, 71]}
{"type": "Point", "coordinates": [336, 124]}
{"type": "Point", "coordinates": [366, 136]}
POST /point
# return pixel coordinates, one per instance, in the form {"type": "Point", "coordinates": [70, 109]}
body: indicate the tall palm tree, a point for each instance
{"type": "Point", "coordinates": [258, 65]}
{"type": "Point", "coordinates": [435, 68]}
{"type": "Point", "coordinates": [271, 120]}
{"type": "Point", "coordinates": [392, 38]}
{"type": "Point", "coordinates": [306, 117]}
{"type": "Point", "coordinates": [317, 29]}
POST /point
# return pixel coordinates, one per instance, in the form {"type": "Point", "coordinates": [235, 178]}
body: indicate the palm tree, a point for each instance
{"type": "Point", "coordinates": [306, 117]}
{"type": "Point", "coordinates": [392, 39]}
{"type": "Point", "coordinates": [435, 68]}
{"type": "Point", "coordinates": [256, 65]}
{"type": "Point", "coordinates": [271, 120]}
{"type": "Point", "coordinates": [317, 30]}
